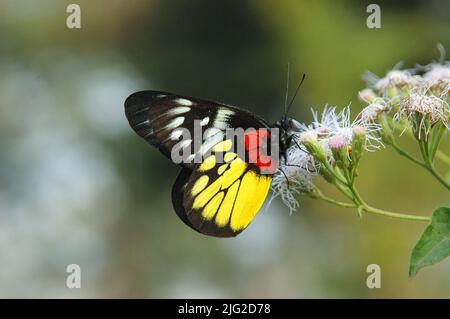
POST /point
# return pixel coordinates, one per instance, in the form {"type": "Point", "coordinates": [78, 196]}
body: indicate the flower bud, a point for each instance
{"type": "Point", "coordinates": [327, 175]}
{"type": "Point", "coordinates": [386, 133]}
{"type": "Point", "coordinates": [438, 79]}
{"type": "Point", "coordinates": [358, 142]}
{"type": "Point", "coordinates": [308, 136]}
{"type": "Point", "coordinates": [367, 95]}
{"type": "Point", "coordinates": [392, 93]}
{"type": "Point", "coordinates": [312, 145]}
{"type": "Point", "coordinates": [339, 147]}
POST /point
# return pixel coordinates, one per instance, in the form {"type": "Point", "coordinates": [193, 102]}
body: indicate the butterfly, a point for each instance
{"type": "Point", "coordinates": [220, 193]}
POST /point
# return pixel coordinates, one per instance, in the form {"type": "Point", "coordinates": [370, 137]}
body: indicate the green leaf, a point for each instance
{"type": "Point", "coordinates": [434, 244]}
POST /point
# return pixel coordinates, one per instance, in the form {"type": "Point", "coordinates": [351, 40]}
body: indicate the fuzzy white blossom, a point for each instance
{"type": "Point", "coordinates": [396, 78]}
{"type": "Point", "coordinates": [420, 100]}
{"type": "Point", "coordinates": [367, 95]}
{"type": "Point", "coordinates": [437, 77]}
{"type": "Point", "coordinates": [340, 123]}
{"type": "Point", "coordinates": [419, 106]}
{"type": "Point", "coordinates": [372, 111]}
{"type": "Point", "coordinates": [296, 172]}
{"type": "Point", "coordinates": [334, 139]}
{"type": "Point", "coordinates": [294, 176]}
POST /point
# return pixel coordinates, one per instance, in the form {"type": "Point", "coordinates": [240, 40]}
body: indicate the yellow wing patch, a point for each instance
{"type": "Point", "coordinates": [237, 168]}
{"type": "Point", "coordinates": [224, 213]}
{"type": "Point", "coordinates": [204, 197]}
{"type": "Point", "coordinates": [199, 185]}
{"type": "Point", "coordinates": [211, 208]}
{"type": "Point", "coordinates": [234, 198]}
{"type": "Point", "coordinates": [250, 198]}
{"type": "Point", "coordinates": [208, 163]}
{"type": "Point", "coordinates": [223, 146]}
{"type": "Point", "coordinates": [222, 169]}
{"type": "Point", "coordinates": [229, 156]}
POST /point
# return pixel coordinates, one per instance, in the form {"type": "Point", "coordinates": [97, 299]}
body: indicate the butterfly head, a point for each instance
{"type": "Point", "coordinates": [288, 128]}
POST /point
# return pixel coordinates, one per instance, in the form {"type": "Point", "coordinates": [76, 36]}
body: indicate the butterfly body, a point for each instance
{"type": "Point", "coordinates": [219, 189]}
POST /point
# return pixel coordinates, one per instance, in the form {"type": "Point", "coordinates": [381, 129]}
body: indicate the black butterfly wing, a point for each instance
{"type": "Point", "coordinates": [158, 117]}
{"type": "Point", "coordinates": [213, 198]}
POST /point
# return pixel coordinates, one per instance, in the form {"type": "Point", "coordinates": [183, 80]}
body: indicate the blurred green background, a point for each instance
{"type": "Point", "coordinates": [77, 185]}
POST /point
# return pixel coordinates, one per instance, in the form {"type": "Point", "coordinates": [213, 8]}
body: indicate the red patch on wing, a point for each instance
{"type": "Point", "coordinates": [256, 142]}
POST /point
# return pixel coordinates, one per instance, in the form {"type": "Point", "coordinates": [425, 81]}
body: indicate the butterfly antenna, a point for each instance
{"type": "Point", "coordinates": [285, 176]}
{"type": "Point", "coordinates": [296, 91]}
{"type": "Point", "coordinates": [287, 90]}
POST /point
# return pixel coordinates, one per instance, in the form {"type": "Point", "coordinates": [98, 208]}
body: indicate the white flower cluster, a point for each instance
{"type": "Point", "coordinates": [332, 144]}
{"type": "Point", "coordinates": [293, 176]}
{"type": "Point", "coordinates": [328, 130]}
{"type": "Point", "coordinates": [404, 94]}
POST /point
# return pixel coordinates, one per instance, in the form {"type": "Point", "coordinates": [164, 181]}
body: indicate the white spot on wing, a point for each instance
{"type": "Point", "coordinates": [146, 122]}
{"type": "Point", "coordinates": [190, 158]}
{"type": "Point", "coordinates": [150, 133]}
{"type": "Point", "coordinates": [183, 144]}
{"type": "Point", "coordinates": [211, 131]}
{"type": "Point", "coordinates": [184, 102]}
{"type": "Point", "coordinates": [221, 120]}
{"type": "Point", "coordinates": [205, 121]}
{"type": "Point", "coordinates": [174, 123]}
{"type": "Point", "coordinates": [178, 110]}
{"type": "Point", "coordinates": [211, 141]}
{"type": "Point", "coordinates": [175, 135]}
{"type": "Point", "coordinates": [225, 113]}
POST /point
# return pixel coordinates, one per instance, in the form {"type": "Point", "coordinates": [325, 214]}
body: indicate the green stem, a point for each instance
{"type": "Point", "coordinates": [377, 211]}
{"type": "Point", "coordinates": [358, 198]}
{"type": "Point", "coordinates": [363, 206]}
{"type": "Point", "coordinates": [332, 200]}
{"type": "Point", "coordinates": [434, 172]}
{"type": "Point", "coordinates": [359, 203]}
{"type": "Point", "coordinates": [435, 139]}
{"type": "Point", "coordinates": [342, 184]}
{"type": "Point", "coordinates": [372, 210]}
{"type": "Point", "coordinates": [333, 172]}
{"type": "Point", "coordinates": [429, 164]}
{"type": "Point", "coordinates": [345, 183]}
{"type": "Point", "coordinates": [424, 149]}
